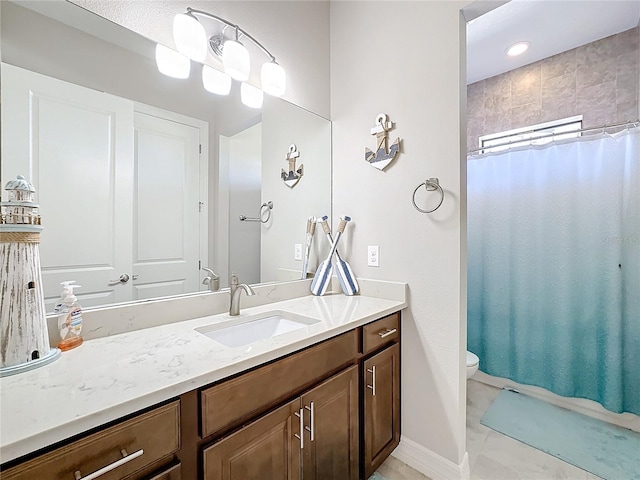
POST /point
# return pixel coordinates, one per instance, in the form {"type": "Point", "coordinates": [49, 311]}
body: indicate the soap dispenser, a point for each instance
{"type": "Point", "coordinates": [63, 295]}
{"type": "Point", "coordinates": [69, 319]}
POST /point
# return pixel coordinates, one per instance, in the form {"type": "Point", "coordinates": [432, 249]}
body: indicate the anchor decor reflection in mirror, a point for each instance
{"type": "Point", "coordinates": [384, 154]}
{"type": "Point", "coordinates": [293, 176]}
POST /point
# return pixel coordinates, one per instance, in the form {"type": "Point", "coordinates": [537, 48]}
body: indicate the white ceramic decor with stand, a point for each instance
{"type": "Point", "coordinates": [23, 326]}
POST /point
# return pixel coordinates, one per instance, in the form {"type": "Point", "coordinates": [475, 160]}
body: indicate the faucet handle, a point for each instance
{"type": "Point", "coordinates": [213, 280]}
{"type": "Point", "coordinates": [234, 279]}
{"type": "Point", "coordinates": [213, 274]}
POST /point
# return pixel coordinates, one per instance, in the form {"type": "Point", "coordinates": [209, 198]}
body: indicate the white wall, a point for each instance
{"type": "Point", "coordinates": [404, 59]}
{"type": "Point", "coordinates": [296, 32]}
{"type": "Point", "coordinates": [245, 177]}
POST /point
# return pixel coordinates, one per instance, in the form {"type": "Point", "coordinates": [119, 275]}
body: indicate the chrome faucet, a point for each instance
{"type": "Point", "coordinates": [236, 291]}
{"type": "Point", "coordinates": [212, 280]}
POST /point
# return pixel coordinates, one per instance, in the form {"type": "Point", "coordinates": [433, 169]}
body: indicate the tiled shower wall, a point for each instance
{"type": "Point", "coordinates": [599, 80]}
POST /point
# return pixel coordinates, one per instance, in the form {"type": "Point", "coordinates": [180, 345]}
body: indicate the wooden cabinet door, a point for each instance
{"type": "Point", "coordinates": [381, 392]}
{"type": "Point", "coordinates": [331, 429]}
{"type": "Point", "coordinates": [266, 448]}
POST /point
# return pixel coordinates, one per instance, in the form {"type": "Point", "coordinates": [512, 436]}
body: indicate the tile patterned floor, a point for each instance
{"type": "Point", "coordinates": [493, 456]}
{"type": "Point", "coordinates": [394, 469]}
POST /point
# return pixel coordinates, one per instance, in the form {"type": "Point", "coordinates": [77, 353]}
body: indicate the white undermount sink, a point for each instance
{"type": "Point", "coordinates": [246, 330]}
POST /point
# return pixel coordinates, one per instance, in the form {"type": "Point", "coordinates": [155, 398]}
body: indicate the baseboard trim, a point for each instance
{"type": "Point", "coordinates": [580, 405]}
{"type": "Point", "coordinates": [430, 463]}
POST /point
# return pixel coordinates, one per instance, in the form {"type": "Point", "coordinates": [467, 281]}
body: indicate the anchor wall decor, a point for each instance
{"type": "Point", "coordinates": [292, 177]}
{"type": "Point", "coordinates": [384, 154]}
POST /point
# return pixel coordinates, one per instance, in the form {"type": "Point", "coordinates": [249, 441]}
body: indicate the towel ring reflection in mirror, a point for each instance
{"type": "Point", "coordinates": [432, 184]}
{"type": "Point", "coordinates": [268, 206]}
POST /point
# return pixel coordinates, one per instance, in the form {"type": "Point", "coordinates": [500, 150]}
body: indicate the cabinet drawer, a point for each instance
{"type": "Point", "coordinates": [235, 401]}
{"type": "Point", "coordinates": [381, 332]}
{"type": "Point", "coordinates": [169, 473]}
{"type": "Point", "coordinates": [156, 433]}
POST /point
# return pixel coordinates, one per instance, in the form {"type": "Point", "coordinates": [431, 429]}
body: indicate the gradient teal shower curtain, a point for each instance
{"type": "Point", "coordinates": [554, 267]}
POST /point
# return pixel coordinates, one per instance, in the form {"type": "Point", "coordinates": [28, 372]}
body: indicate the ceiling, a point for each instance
{"type": "Point", "coordinates": [551, 26]}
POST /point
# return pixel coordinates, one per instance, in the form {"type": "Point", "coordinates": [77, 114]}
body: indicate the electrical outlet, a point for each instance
{"type": "Point", "coordinates": [297, 255]}
{"type": "Point", "coordinates": [373, 259]}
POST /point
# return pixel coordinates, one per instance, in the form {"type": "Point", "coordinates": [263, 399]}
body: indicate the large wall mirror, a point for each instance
{"type": "Point", "coordinates": [142, 178]}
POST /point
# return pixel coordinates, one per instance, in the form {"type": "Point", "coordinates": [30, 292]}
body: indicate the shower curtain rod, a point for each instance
{"type": "Point", "coordinates": [633, 123]}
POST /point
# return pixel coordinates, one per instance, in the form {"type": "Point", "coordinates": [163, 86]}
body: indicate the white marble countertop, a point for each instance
{"type": "Point", "coordinates": [109, 377]}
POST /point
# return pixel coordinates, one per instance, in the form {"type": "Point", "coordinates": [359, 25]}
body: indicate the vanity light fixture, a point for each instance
{"type": "Point", "coordinates": [172, 63]}
{"type": "Point", "coordinates": [251, 96]}
{"type": "Point", "coordinates": [215, 81]}
{"type": "Point", "coordinates": [235, 59]}
{"type": "Point", "coordinates": [518, 49]}
{"type": "Point", "coordinates": [190, 38]}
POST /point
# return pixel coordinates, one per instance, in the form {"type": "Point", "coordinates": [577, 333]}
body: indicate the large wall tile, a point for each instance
{"type": "Point", "coordinates": [598, 96]}
{"type": "Point", "coordinates": [497, 105]}
{"type": "Point", "coordinates": [589, 75]}
{"type": "Point", "coordinates": [626, 112]}
{"type": "Point", "coordinates": [527, 114]}
{"type": "Point", "coordinates": [627, 78]}
{"type": "Point", "coordinates": [525, 86]}
{"type": "Point", "coordinates": [560, 64]}
{"type": "Point", "coordinates": [629, 41]}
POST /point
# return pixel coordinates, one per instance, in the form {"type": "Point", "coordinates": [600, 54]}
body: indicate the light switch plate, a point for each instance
{"type": "Point", "coordinates": [297, 255]}
{"type": "Point", "coordinates": [373, 258]}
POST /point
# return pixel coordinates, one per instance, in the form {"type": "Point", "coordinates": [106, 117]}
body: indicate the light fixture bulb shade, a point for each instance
{"type": "Point", "coordinates": [190, 37]}
{"type": "Point", "coordinates": [251, 96]}
{"type": "Point", "coordinates": [215, 81]}
{"type": "Point", "coordinates": [235, 59]}
{"type": "Point", "coordinates": [172, 63]}
{"type": "Point", "coordinates": [274, 79]}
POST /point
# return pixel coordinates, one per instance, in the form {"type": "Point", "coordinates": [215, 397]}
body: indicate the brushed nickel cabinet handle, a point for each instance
{"type": "Point", "coordinates": [372, 371]}
{"type": "Point", "coordinates": [300, 415]}
{"type": "Point", "coordinates": [387, 332]}
{"type": "Point", "coordinates": [313, 421]}
{"type": "Point", "coordinates": [98, 473]}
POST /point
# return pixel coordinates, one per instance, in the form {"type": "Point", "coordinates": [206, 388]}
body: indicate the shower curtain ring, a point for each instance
{"type": "Point", "coordinates": [430, 185]}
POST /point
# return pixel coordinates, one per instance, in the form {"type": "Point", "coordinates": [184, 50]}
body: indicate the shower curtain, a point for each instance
{"type": "Point", "coordinates": [554, 267]}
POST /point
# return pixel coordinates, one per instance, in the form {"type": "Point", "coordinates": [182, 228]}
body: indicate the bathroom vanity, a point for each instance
{"type": "Point", "coordinates": [320, 402]}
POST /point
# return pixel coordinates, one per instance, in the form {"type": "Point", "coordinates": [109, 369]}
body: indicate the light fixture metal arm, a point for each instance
{"type": "Point", "coordinates": [232, 25]}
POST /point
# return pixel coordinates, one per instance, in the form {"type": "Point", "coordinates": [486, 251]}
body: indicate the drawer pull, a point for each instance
{"type": "Point", "coordinates": [125, 459]}
{"type": "Point", "coordinates": [300, 437]}
{"type": "Point", "coordinates": [313, 421]}
{"type": "Point", "coordinates": [372, 371]}
{"type": "Point", "coordinates": [387, 332]}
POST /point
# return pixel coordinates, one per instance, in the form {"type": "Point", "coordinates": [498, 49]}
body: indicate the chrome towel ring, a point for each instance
{"type": "Point", "coordinates": [431, 185]}
{"type": "Point", "coordinates": [268, 206]}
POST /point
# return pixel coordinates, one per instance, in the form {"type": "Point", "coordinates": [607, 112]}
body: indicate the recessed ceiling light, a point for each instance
{"type": "Point", "coordinates": [517, 48]}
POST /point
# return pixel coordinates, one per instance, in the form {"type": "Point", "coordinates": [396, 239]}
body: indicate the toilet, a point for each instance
{"type": "Point", "coordinates": [472, 364]}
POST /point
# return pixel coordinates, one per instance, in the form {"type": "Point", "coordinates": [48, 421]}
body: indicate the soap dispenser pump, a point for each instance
{"type": "Point", "coordinates": [63, 295]}
{"type": "Point", "coordinates": [69, 319]}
